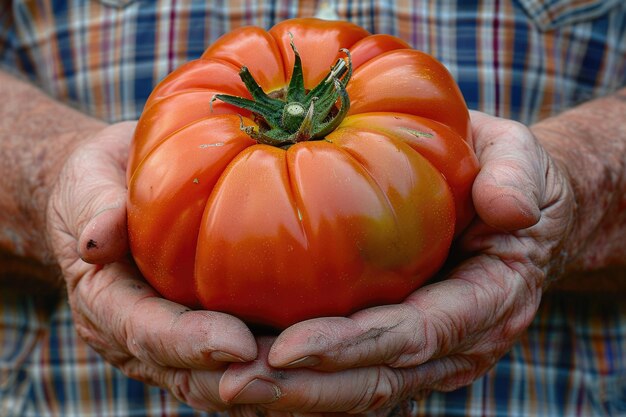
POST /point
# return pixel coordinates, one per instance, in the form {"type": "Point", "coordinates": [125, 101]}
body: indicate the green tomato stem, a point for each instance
{"type": "Point", "coordinates": [293, 115]}
{"type": "Point", "coordinates": [302, 115]}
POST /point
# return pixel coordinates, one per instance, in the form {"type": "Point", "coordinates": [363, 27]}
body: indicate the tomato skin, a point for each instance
{"type": "Point", "coordinates": [327, 213]}
{"type": "Point", "coordinates": [319, 43]}
{"type": "Point", "coordinates": [326, 227]}
{"type": "Point", "coordinates": [412, 82]}
{"type": "Point", "coordinates": [236, 47]}
{"type": "Point", "coordinates": [450, 153]}
{"type": "Point", "coordinates": [167, 197]}
{"type": "Point", "coordinates": [374, 45]}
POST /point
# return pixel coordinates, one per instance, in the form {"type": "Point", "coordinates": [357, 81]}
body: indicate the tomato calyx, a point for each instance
{"type": "Point", "coordinates": [300, 115]}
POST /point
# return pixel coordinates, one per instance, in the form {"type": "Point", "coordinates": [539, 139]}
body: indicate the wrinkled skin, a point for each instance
{"type": "Point", "coordinates": [441, 337]}
{"type": "Point", "coordinates": [114, 310]}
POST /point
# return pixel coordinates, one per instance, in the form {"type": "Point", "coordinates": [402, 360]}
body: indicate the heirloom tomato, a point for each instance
{"type": "Point", "coordinates": [310, 170]}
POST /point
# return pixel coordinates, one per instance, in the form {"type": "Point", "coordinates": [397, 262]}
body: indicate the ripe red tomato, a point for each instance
{"type": "Point", "coordinates": [264, 186]}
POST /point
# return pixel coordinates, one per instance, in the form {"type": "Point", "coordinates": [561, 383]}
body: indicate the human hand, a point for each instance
{"type": "Point", "coordinates": [446, 334]}
{"type": "Point", "coordinates": [114, 309]}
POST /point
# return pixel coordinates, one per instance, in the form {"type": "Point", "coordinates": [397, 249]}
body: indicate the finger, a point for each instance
{"type": "Point", "coordinates": [104, 239]}
{"type": "Point", "coordinates": [199, 389]}
{"type": "Point", "coordinates": [481, 307]}
{"type": "Point", "coordinates": [101, 224]}
{"type": "Point", "coordinates": [117, 302]}
{"type": "Point", "coordinates": [306, 391]}
{"type": "Point", "coordinates": [508, 188]}
{"type": "Point", "coordinates": [388, 335]}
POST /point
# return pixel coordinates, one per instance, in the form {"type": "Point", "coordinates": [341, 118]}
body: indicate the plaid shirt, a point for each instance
{"type": "Point", "coordinates": [520, 59]}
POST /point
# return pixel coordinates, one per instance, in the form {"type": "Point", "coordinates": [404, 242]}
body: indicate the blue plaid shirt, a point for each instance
{"type": "Point", "coordinates": [520, 59]}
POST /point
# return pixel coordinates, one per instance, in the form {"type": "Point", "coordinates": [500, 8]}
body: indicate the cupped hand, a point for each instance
{"type": "Point", "coordinates": [449, 333]}
{"type": "Point", "coordinates": [114, 309]}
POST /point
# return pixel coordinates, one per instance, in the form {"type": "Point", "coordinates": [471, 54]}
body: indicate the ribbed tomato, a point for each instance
{"type": "Point", "coordinates": [310, 170]}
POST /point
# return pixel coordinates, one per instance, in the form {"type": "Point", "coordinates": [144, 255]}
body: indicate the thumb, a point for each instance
{"type": "Point", "coordinates": [104, 238]}
{"type": "Point", "coordinates": [507, 190]}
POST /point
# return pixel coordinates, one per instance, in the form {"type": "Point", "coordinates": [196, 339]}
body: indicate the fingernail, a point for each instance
{"type": "Point", "coordinates": [305, 362]}
{"type": "Point", "coordinates": [220, 356]}
{"type": "Point", "coordinates": [257, 391]}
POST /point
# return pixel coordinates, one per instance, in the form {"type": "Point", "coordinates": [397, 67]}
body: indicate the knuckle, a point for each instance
{"type": "Point", "coordinates": [179, 385]}
{"type": "Point", "coordinates": [461, 372]}
{"type": "Point", "coordinates": [507, 136]}
{"type": "Point", "coordinates": [197, 389]}
{"type": "Point", "coordinates": [515, 128]}
{"type": "Point", "coordinates": [522, 310]}
{"type": "Point", "coordinates": [138, 343]}
{"type": "Point", "coordinates": [417, 346]}
{"type": "Point", "coordinates": [514, 327]}
{"type": "Point", "coordinates": [384, 392]}
{"type": "Point", "coordinates": [87, 333]}
{"type": "Point", "coordinates": [143, 340]}
{"type": "Point", "coordinates": [135, 369]}
{"type": "Point", "coordinates": [98, 340]}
